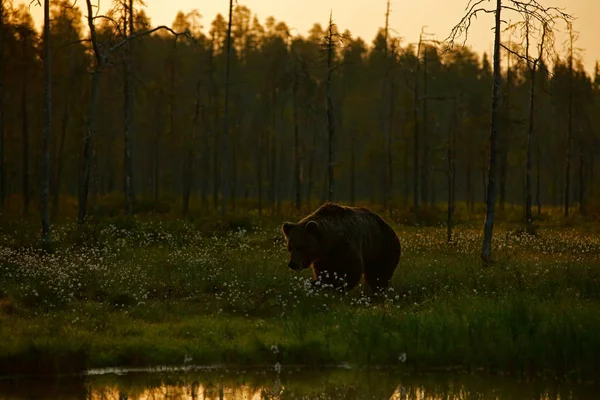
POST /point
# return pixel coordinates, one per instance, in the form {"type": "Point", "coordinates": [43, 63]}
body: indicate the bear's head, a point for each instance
{"type": "Point", "coordinates": [302, 243]}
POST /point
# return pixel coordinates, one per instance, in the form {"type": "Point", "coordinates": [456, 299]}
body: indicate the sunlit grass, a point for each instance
{"type": "Point", "coordinates": [149, 291]}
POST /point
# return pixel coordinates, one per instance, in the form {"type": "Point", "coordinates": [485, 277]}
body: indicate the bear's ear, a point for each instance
{"type": "Point", "coordinates": [313, 228]}
{"type": "Point", "coordinates": [287, 228]}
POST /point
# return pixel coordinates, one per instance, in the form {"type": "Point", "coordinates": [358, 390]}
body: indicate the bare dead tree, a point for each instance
{"type": "Point", "coordinates": [417, 98]}
{"type": "Point", "coordinates": [2, 63]}
{"type": "Point", "coordinates": [532, 66]}
{"type": "Point", "coordinates": [330, 47]}
{"type": "Point", "coordinates": [569, 123]}
{"type": "Point", "coordinates": [128, 107]}
{"type": "Point", "coordinates": [225, 159]}
{"type": "Point", "coordinates": [416, 131]}
{"type": "Point", "coordinates": [387, 85]}
{"type": "Point", "coordinates": [451, 170]}
{"type": "Point", "coordinates": [100, 62]}
{"type": "Point", "coordinates": [538, 13]}
{"type": "Point", "coordinates": [25, 183]}
{"type": "Point", "coordinates": [297, 170]}
{"type": "Point", "coordinates": [188, 163]}
{"type": "Point", "coordinates": [45, 184]}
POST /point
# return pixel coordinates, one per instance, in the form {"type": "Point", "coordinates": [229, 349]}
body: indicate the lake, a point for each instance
{"type": "Point", "coordinates": [285, 383]}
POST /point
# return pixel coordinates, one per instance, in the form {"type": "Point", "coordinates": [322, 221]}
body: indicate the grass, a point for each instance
{"type": "Point", "coordinates": [168, 291]}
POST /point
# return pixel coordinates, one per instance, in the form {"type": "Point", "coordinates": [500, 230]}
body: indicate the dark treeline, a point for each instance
{"type": "Point", "coordinates": [395, 107]}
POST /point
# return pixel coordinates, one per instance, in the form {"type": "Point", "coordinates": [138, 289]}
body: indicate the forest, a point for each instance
{"type": "Point", "coordinates": [163, 160]}
{"type": "Point", "coordinates": [405, 115]}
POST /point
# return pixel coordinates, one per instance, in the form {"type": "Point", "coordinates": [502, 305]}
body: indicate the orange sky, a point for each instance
{"type": "Point", "coordinates": [363, 17]}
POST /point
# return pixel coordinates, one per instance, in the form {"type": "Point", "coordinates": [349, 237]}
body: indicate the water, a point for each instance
{"type": "Point", "coordinates": [288, 383]}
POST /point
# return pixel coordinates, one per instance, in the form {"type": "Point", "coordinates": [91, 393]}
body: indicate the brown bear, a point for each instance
{"type": "Point", "coordinates": [343, 243]}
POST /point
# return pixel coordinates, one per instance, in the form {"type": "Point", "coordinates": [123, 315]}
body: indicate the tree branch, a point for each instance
{"type": "Point", "coordinates": [148, 32]}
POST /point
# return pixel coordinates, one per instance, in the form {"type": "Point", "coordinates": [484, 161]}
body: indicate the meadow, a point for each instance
{"type": "Point", "coordinates": [166, 290]}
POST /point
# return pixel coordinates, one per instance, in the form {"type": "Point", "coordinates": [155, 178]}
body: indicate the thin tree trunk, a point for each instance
{"type": "Point", "coordinates": [157, 142]}
{"type": "Point", "coordinates": [488, 227]}
{"type": "Point", "coordinates": [330, 120]}
{"type": "Point", "coordinates": [532, 70]}
{"type": "Point", "coordinates": [311, 166]}
{"type": "Point", "coordinates": [2, 63]}
{"type": "Point", "coordinates": [129, 93]}
{"type": "Point", "coordinates": [172, 105]}
{"type": "Point", "coordinates": [389, 136]}
{"type": "Point", "coordinates": [537, 190]}
{"type": "Point", "coordinates": [425, 139]}
{"type": "Point", "coordinates": [416, 133]}
{"type": "Point", "coordinates": [386, 118]}
{"type": "Point", "coordinates": [271, 164]}
{"type": "Point", "coordinates": [406, 170]}
{"type": "Point", "coordinates": [188, 167]}
{"type": "Point", "coordinates": [503, 138]}
{"type": "Point", "coordinates": [216, 147]}
{"type": "Point", "coordinates": [451, 171]}
{"type": "Point", "coordinates": [297, 174]}
{"type": "Point", "coordinates": [225, 135]}
{"type": "Point", "coordinates": [569, 126]}
{"type": "Point", "coordinates": [469, 178]}
{"type": "Point", "coordinates": [582, 179]}
{"type": "Point", "coordinates": [353, 167]}
{"type": "Point", "coordinates": [45, 184]}
{"type": "Point", "coordinates": [88, 148]}
{"type": "Point", "coordinates": [25, 144]}
{"type": "Point", "coordinates": [259, 170]}
{"type": "Point", "coordinates": [59, 159]}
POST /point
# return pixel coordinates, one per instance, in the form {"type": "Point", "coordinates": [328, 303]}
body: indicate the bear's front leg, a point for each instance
{"type": "Point", "coordinates": [340, 271]}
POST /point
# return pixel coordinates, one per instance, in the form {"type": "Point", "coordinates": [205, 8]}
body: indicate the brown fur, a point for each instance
{"type": "Point", "coordinates": [341, 244]}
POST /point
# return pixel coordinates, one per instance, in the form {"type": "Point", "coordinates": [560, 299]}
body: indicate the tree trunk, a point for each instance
{"type": "Point", "coordinates": [311, 166]}
{"type": "Point", "coordinates": [25, 135]}
{"type": "Point", "coordinates": [451, 173]}
{"type": "Point", "coordinates": [225, 135]}
{"type": "Point", "coordinates": [45, 184]}
{"type": "Point", "coordinates": [157, 142]}
{"type": "Point", "coordinates": [297, 173]}
{"type": "Point", "coordinates": [259, 170]}
{"type": "Point", "coordinates": [172, 106]}
{"type": "Point", "coordinates": [353, 167]}
{"type": "Point", "coordinates": [469, 178]}
{"type": "Point", "coordinates": [416, 134]}
{"type": "Point", "coordinates": [406, 170]}
{"type": "Point", "coordinates": [528, 214]}
{"type": "Point", "coordinates": [425, 139]}
{"type": "Point", "coordinates": [87, 153]}
{"type": "Point", "coordinates": [59, 159]}
{"type": "Point", "coordinates": [2, 63]}
{"type": "Point", "coordinates": [503, 138]}
{"type": "Point", "coordinates": [582, 178]}
{"type": "Point", "coordinates": [537, 190]}
{"type": "Point", "coordinates": [128, 107]}
{"type": "Point", "coordinates": [330, 120]}
{"type": "Point", "coordinates": [188, 166]}
{"type": "Point", "coordinates": [387, 174]}
{"type": "Point", "coordinates": [389, 136]}
{"type": "Point", "coordinates": [488, 227]}
{"type": "Point", "coordinates": [530, 132]}
{"type": "Point", "coordinates": [569, 126]}
{"type": "Point", "coordinates": [214, 93]}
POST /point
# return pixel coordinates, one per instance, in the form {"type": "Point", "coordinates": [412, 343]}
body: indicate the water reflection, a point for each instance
{"type": "Point", "coordinates": [289, 384]}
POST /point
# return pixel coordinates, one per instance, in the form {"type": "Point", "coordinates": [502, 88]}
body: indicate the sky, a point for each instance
{"type": "Point", "coordinates": [364, 17]}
